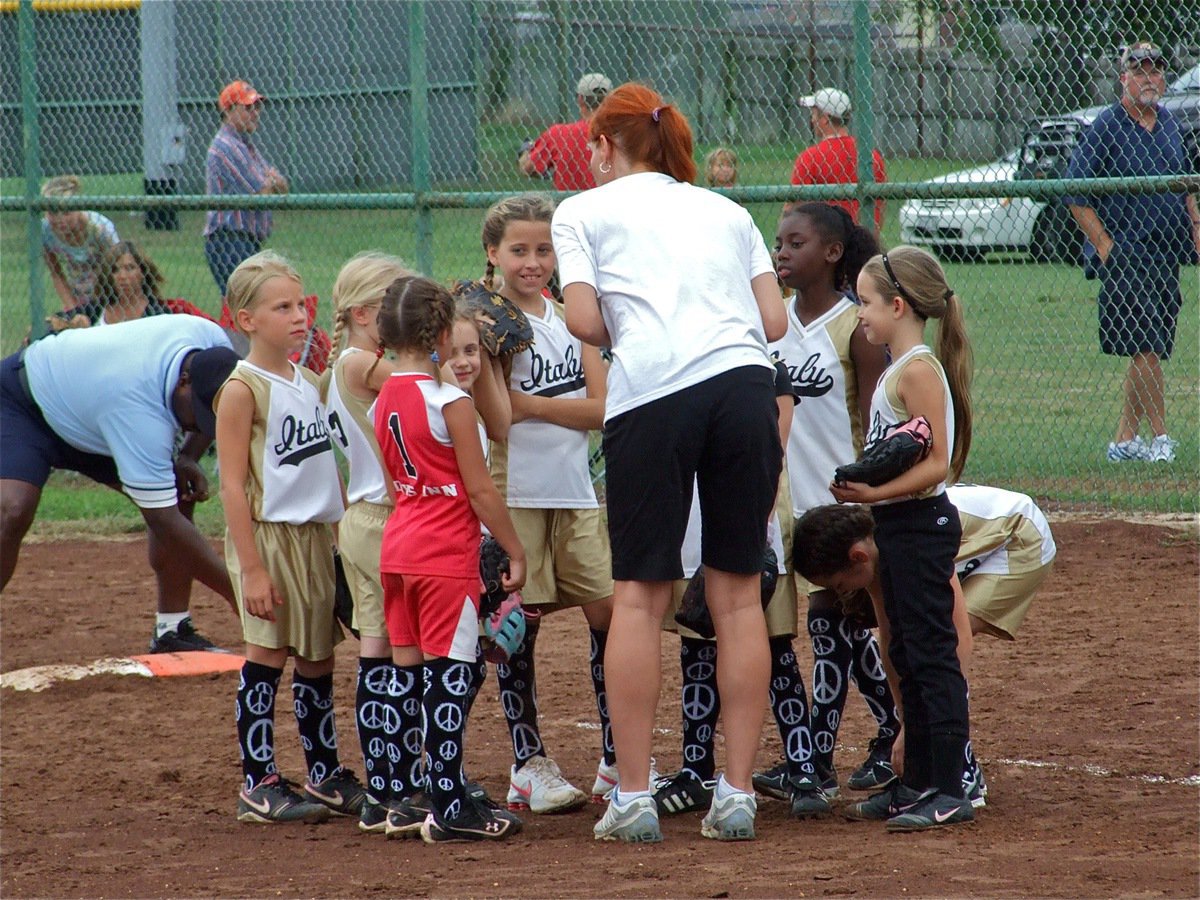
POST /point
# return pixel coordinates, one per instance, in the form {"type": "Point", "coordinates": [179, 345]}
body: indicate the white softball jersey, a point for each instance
{"type": "Point", "coordinates": [888, 410]}
{"type": "Point", "coordinates": [352, 427]}
{"type": "Point", "coordinates": [293, 475]}
{"type": "Point", "coordinates": [1003, 532]}
{"type": "Point", "coordinates": [826, 427]}
{"type": "Point", "coordinates": [544, 465]}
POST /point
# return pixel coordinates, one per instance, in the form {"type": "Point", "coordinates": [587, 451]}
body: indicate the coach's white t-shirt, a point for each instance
{"type": "Point", "coordinates": [671, 264]}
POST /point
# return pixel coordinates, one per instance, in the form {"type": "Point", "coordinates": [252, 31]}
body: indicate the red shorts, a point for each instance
{"type": "Point", "coordinates": [440, 615]}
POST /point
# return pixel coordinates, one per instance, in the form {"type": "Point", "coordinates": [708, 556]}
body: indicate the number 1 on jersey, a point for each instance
{"type": "Point", "coordinates": [394, 427]}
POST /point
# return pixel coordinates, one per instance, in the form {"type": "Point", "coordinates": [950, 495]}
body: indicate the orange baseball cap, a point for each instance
{"type": "Point", "coordinates": [237, 93]}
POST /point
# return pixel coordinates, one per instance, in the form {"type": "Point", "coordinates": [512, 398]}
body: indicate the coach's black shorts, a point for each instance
{"type": "Point", "coordinates": [1139, 304]}
{"type": "Point", "coordinates": [29, 448]}
{"type": "Point", "coordinates": [723, 433]}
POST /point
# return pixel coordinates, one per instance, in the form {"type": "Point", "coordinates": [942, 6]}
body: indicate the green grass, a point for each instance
{"type": "Point", "coordinates": [1046, 399]}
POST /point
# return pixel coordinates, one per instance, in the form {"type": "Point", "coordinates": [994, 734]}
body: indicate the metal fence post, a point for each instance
{"type": "Point", "coordinates": [422, 181]}
{"type": "Point", "coordinates": [864, 106]}
{"type": "Point", "coordinates": [30, 141]}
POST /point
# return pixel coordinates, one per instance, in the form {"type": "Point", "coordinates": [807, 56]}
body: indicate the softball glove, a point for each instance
{"type": "Point", "coordinates": [901, 448]}
{"type": "Point", "coordinates": [693, 610]}
{"type": "Point", "coordinates": [503, 328]}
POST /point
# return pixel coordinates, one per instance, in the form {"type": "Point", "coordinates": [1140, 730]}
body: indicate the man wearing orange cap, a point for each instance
{"type": "Point", "coordinates": [234, 166]}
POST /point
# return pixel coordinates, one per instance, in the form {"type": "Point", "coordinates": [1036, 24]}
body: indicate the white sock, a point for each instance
{"type": "Point", "coordinates": [624, 798]}
{"type": "Point", "coordinates": [165, 622]}
{"type": "Point", "coordinates": [725, 789]}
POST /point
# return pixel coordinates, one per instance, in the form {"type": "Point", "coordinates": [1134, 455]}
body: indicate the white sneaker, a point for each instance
{"type": "Point", "coordinates": [1162, 449]}
{"type": "Point", "coordinates": [1134, 448]}
{"type": "Point", "coordinates": [539, 787]}
{"type": "Point", "coordinates": [635, 823]}
{"type": "Point", "coordinates": [730, 818]}
{"type": "Point", "coordinates": [606, 780]}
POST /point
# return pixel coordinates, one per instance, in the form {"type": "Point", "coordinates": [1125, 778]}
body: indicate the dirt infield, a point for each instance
{"type": "Point", "coordinates": [1087, 729]}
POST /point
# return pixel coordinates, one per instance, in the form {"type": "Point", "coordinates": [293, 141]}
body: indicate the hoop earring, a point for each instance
{"type": "Point", "coordinates": [604, 171]}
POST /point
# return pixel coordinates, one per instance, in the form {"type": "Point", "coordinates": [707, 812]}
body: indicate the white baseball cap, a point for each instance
{"type": "Point", "coordinates": [830, 101]}
{"type": "Point", "coordinates": [593, 85]}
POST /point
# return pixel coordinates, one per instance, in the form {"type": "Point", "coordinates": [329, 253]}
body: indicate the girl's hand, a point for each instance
{"type": "Point", "coordinates": [259, 595]}
{"type": "Point", "coordinates": [514, 579]}
{"type": "Point", "coordinates": [898, 752]}
{"type": "Point", "coordinates": [854, 492]}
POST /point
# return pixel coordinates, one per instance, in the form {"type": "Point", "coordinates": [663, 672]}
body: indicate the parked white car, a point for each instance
{"type": "Point", "coordinates": [967, 229]}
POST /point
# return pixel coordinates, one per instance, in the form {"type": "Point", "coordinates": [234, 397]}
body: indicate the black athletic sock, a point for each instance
{"type": "Point", "coordinates": [447, 682]}
{"type": "Point", "coordinates": [256, 722]}
{"type": "Point", "coordinates": [832, 653]}
{"type": "Point", "coordinates": [518, 697]}
{"type": "Point", "coordinates": [598, 643]}
{"type": "Point", "coordinates": [313, 704]}
{"type": "Point", "coordinates": [478, 677]}
{"type": "Point", "coordinates": [866, 668]}
{"type": "Point", "coordinates": [789, 705]}
{"type": "Point", "coordinates": [701, 705]}
{"type": "Point", "coordinates": [406, 731]}
{"type": "Point", "coordinates": [371, 714]}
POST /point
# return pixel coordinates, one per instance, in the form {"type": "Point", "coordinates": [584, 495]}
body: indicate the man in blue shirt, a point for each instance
{"type": "Point", "coordinates": [233, 165]}
{"type": "Point", "coordinates": [1136, 244]}
{"type": "Point", "coordinates": [109, 403]}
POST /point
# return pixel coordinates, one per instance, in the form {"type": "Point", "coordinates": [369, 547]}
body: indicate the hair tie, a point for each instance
{"type": "Point", "coordinates": [654, 114]}
{"type": "Point", "coordinates": [379, 351]}
{"type": "Point", "coordinates": [949, 293]}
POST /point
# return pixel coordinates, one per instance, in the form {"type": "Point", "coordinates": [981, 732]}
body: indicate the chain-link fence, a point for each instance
{"type": "Point", "coordinates": [394, 124]}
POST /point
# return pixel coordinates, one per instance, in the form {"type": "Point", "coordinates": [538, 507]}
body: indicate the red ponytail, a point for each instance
{"type": "Point", "coordinates": [647, 130]}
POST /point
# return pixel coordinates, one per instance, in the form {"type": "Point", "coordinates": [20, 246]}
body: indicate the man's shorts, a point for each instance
{"type": "Point", "coordinates": [29, 448]}
{"type": "Point", "coordinates": [722, 433]}
{"type": "Point", "coordinates": [360, 536]}
{"type": "Point", "coordinates": [299, 559]}
{"type": "Point", "coordinates": [440, 615]}
{"type": "Point", "coordinates": [567, 557]}
{"type": "Point", "coordinates": [1139, 305]}
{"type": "Point", "coordinates": [1002, 601]}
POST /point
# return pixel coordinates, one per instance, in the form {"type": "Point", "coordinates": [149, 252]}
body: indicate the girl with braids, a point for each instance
{"type": "Point", "coordinates": [557, 391]}
{"type": "Point", "coordinates": [818, 253]}
{"type": "Point", "coordinates": [429, 563]}
{"type": "Point", "coordinates": [677, 281]}
{"type": "Point", "coordinates": [918, 531]}
{"type": "Point", "coordinates": [281, 492]}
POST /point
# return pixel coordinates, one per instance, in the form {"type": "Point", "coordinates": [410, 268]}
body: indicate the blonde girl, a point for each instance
{"type": "Point", "coordinates": [917, 531]}
{"type": "Point", "coordinates": [72, 244]}
{"type": "Point", "coordinates": [557, 388]}
{"type": "Point", "coordinates": [721, 168]}
{"type": "Point", "coordinates": [429, 563]}
{"type": "Point", "coordinates": [282, 493]}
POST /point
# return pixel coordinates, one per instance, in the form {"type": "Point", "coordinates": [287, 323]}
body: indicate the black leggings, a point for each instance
{"type": "Point", "coordinates": [917, 541]}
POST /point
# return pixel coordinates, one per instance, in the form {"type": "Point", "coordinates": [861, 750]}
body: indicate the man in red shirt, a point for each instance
{"type": "Point", "coordinates": [834, 158]}
{"type": "Point", "coordinates": [562, 150]}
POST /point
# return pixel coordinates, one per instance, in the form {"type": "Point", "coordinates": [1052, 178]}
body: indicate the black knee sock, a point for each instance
{"type": "Point", "coordinates": [447, 682]}
{"type": "Point", "coordinates": [866, 668]}
{"type": "Point", "coordinates": [701, 705]}
{"type": "Point", "coordinates": [256, 721]}
{"type": "Point", "coordinates": [478, 677]}
{"type": "Point", "coordinates": [518, 696]}
{"type": "Point", "coordinates": [406, 731]}
{"type": "Point", "coordinates": [831, 680]}
{"type": "Point", "coordinates": [789, 704]}
{"type": "Point", "coordinates": [596, 660]}
{"type": "Point", "coordinates": [372, 709]}
{"type": "Point", "coordinates": [313, 703]}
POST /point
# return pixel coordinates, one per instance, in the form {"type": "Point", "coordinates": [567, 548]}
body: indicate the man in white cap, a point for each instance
{"type": "Point", "coordinates": [834, 158]}
{"type": "Point", "coordinates": [562, 150]}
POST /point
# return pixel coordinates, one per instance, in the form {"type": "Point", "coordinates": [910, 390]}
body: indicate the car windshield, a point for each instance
{"type": "Point", "coordinates": [1188, 83]}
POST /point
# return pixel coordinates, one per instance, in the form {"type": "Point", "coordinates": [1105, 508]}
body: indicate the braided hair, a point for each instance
{"type": "Point", "coordinates": [415, 313]}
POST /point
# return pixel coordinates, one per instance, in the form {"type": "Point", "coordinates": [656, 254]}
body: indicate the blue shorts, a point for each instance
{"type": "Point", "coordinates": [29, 448]}
{"type": "Point", "coordinates": [1139, 304]}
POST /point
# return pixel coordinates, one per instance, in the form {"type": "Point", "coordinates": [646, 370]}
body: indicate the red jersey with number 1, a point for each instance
{"type": "Point", "coordinates": [433, 530]}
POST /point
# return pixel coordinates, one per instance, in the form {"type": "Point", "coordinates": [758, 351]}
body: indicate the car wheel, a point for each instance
{"type": "Point", "coordinates": [1056, 237]}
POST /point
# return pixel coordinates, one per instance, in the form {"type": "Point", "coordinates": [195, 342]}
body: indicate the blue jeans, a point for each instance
{"type": "Point", "coordinates": [225, 250]}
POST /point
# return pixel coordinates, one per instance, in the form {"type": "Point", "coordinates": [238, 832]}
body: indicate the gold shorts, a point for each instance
{"type": "Point", "coordinates": [1002, 601]}
{"type": "Point", "coordinates": [299, 560]}
{"type": "Point", "coordinates": [360, 536]}
{"type": "Point", "coordinates": [567, 555]}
